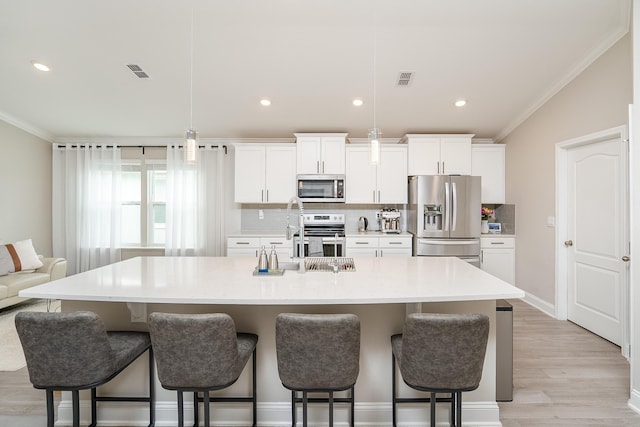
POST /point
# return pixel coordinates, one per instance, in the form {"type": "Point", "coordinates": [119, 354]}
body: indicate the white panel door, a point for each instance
{"type": "Point", "coordinates": [597, 239]}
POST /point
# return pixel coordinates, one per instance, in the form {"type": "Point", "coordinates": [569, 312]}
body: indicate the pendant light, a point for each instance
{"type": "Point", "coordinates": [190, 148]}
{"type": "Point", "coordinates": [374, 133]}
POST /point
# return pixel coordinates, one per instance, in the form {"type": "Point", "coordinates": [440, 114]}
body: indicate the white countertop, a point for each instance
{"type": "Point", "coordinates": [229, 280]}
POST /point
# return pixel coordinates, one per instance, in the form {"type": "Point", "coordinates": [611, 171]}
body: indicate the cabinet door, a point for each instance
{"type": "Point", "coordinates": [395, 252]}
{"type": "Point", "coordinates": [361, 246]}
{"type": "Point", "coordinates": [392, 175]}
{"type": "Point", "coordinates": [424, 156]}
{"type": "Point", "coordinates": [360, 178]}
{"type": "Point", "coordinates": [500, 263]}
{"type": "Point", "coordinates": [280, 174]}
{"type": "Point", "coordinates": [487, 161]}
{"type": "Point", "coordinates": [249, 175]}
{"type": "Point", "coordinates": [308, 155]}
{"type": "Point", "coordinates": [455, 156]}
{"type": "Point", "coordinates": [332, 155]}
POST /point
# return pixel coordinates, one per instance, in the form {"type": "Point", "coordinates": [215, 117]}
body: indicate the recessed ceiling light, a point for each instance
{"type": "Point", "coordinates": [40, 66]}
{"type": "Point", "coordinates": [358, 102]}
{"type": "Point", "coordinates": [265, 102]}
{"type": "Point", "coordinates": [460, 103]}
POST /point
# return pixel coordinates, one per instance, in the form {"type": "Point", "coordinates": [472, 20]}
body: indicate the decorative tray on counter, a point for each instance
{"type": "Point", "coordinates": [268, 273]}
{"type": "Point", "coordinates": [334, 264]}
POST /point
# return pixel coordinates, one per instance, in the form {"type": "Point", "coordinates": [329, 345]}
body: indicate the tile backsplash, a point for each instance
{"type": "Point", "coordinates": [506, 215]}
{"type": "Point", "coordinates": [274, 219]}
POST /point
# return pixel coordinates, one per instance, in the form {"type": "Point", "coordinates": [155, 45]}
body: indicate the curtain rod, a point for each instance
{"type": "Point", "coordinates": [139, 146]}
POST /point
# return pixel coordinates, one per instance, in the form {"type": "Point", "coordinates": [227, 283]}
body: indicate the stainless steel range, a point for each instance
{"type": "Point", "coordinates": [324, 235]}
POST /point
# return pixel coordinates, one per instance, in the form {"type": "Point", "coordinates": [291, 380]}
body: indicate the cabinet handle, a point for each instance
{"type": "Point", "coordinates": [442, 168]}
{"type": "Point", "coordinates": [267, 195]}
{"type": "Point", "coordinates": [395, 243]}
{"type": "Point", "coordinates": [323, 166]}
{"type": "Point", "coordinates": [242, 243]}
{"type": "Point", "coordinates": [374, 196]}
{"type": "Point", "coordinates": [378, 196]}
{"type": "Point", "coordinates": [438, 162]}
{"type": "Point", "coordinates": [317, 166]}
{"type": "Point", "coordinates": [262, 195]}
{"type": "Point", "coordinates": [362, 243]}
{"type": "Point", "coordinates": [497, 243]}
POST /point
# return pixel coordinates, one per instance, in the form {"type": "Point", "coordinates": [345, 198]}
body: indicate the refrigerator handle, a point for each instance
{"type": "Point", "coordinates": [454, 212]}
{"type": "Point", "coordinates": [447, 199]}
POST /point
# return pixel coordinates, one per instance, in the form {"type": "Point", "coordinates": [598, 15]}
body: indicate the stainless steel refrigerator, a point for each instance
{"type": "Point", "coordinates": [443, 214]}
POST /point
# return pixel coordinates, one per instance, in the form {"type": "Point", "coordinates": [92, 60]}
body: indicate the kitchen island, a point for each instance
{"type": "Point", "coordinates": [380, 291]}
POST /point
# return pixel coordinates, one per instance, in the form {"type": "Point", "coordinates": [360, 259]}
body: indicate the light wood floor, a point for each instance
{"type": "Point", "coordinates": [563, 376]}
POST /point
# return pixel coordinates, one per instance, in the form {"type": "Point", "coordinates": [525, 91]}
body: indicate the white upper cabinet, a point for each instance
{"type": "Point", "coordinates": [264, 173]}
{"type": "Point", "coordinates": [487, 161]}
{"type": "Point", "coordinates": [384, 183]}
{"type": "Point", "coordinates": [439, 154]}
{"type": "Point", "coordinates": [321, 153]}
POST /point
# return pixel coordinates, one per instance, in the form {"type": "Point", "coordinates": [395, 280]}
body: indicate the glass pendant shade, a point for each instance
{"type": "Point", "coordinates": [374, 145]}
{"type": "Point", "coordinates": [190, 146]}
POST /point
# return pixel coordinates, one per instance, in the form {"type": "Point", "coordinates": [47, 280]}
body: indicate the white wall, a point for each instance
{"type": "Point", "coordinates": [597, 99]}
{"type": "Point", "coordinates": [25, 177]}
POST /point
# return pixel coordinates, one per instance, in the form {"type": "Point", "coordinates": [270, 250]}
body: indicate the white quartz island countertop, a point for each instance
{"type": "Point", "coordinates": [230, 280]}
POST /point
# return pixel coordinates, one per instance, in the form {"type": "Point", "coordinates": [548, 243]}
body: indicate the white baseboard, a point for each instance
{"type": "Point", "coordinates": [545, 307]}
{"type": "Point", "coordinates": [634, 401]}
{"type": "Point", "coordinates": [278, 414]}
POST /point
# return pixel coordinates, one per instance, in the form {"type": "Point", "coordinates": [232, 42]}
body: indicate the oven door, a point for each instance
{"type": "Point", "coordinates": [319, 246]}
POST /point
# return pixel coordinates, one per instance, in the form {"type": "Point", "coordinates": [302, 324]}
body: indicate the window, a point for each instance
{"type": "Point", "coordinates": [144, 179]}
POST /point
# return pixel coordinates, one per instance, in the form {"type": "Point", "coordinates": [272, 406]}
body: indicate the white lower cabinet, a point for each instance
{"type": "Point", "coordinates": [250, 246]}
{"type": "Point", "coordinates": [379, 246]}
{"type": "Point", "coordinates": [498, 257]}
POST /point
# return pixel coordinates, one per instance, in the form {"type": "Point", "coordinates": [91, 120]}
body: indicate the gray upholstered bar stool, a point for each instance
{"type": "Point", "coordinates": [440, 353]}
{"type": "Point", "coordinates": [200, 353]}
{"type": "Point", "coordinates": [73, 351]}
{"type": "Point", "coordinates": [318, 353]}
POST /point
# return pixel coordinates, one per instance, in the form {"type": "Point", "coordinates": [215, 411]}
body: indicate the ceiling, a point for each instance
{"type": "Point", "coordinates": [310, 58]}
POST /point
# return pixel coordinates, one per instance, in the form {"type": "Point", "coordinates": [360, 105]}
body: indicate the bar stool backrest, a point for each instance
{"type": "Point", "coordinates": [444, 351]}
{"type": "Point", "coordinates": [318, 351]}
{"type": "Point", "coordinates": [195, 350]}
{"type": "Point", "coordinates": [65, 349]}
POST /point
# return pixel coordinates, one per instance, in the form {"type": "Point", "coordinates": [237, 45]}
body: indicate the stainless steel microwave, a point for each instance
{"type": "Point", "coordinates": [321, 188]}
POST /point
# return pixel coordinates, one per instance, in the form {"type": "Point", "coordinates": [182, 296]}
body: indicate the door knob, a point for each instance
{"type": "Point", "coordinates": [626, 258]}
{"type": "Point", "coordinates": [568, 243]}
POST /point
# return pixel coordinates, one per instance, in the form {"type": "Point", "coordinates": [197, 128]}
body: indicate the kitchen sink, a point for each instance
{"type": "Point", "coordinates": [289, 265]}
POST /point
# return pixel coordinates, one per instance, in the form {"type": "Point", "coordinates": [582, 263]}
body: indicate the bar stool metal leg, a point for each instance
{"type": "Point", "coordinates": [180, 409]}
{"type": "Point", "coordinates": [196, 410]}
{"type": "Point", "coordinates": [432, 403]}
{"type": "Point", "coordinates": [330, 409]}
{"type": "Point", "coordinates": [353, 407]}
{"type": "Point", "coordinates": [50, 414]}
{"type": "Point", "coordinates": [293, 408]}
{"type": "Point", "coordinates": [304, 409]}
{"type": "Point", "coordinates": [75, 397]}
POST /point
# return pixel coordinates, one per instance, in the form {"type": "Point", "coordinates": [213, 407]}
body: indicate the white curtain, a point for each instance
{"type": "Point", "coordinates": [86, 206]}
{"type": "Point", "coordinates": [195, 203]}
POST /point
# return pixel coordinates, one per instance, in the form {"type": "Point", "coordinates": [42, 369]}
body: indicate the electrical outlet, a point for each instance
{"type": "Point", "coordinates": [260, 214]}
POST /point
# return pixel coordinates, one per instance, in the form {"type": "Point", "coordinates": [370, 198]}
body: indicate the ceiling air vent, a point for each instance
{"type": "Point", "coordinates": [138, 71]}
{"type": "Point", "coordinates": [405, 77]}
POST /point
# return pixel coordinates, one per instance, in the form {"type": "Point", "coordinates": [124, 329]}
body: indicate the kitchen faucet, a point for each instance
{"type": "Point", "coordinates": [291, 229]}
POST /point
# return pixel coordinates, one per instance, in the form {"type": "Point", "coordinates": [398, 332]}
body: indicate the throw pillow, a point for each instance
{"type": "Point", "coordinates": [17, 257]}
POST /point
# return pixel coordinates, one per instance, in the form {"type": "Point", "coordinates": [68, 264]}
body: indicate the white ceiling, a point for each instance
{"type": "Point", "coordinates": [310, 57]}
